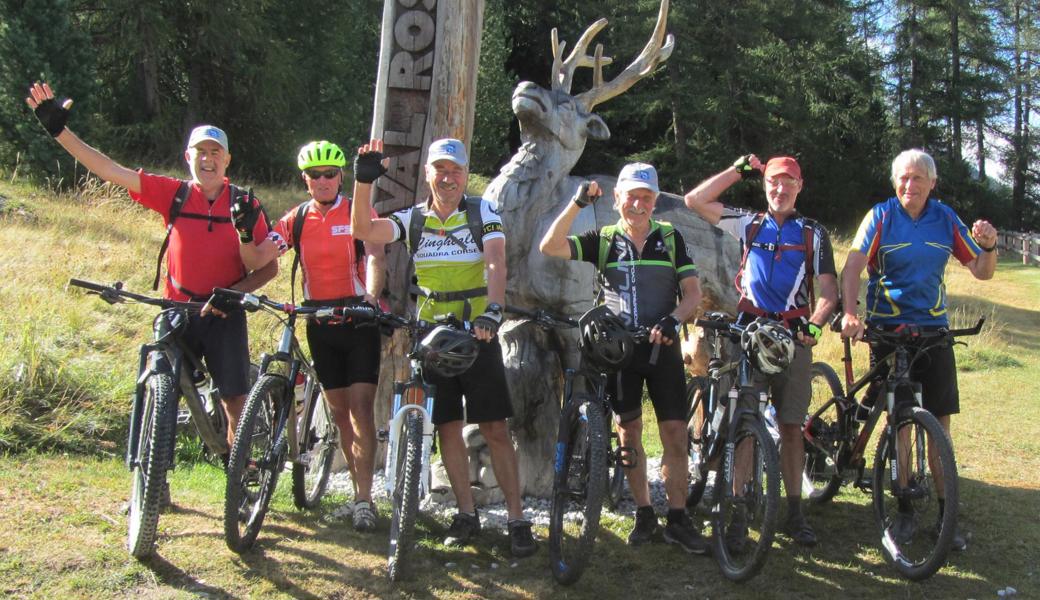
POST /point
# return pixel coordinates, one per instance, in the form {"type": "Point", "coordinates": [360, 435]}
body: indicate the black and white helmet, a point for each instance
{"type": "Point", "coordinates": [605, 341]}
{"type": "Point", "coordinates": [769, 345]}
{"type": "Point", "coordinates": [448, 352]}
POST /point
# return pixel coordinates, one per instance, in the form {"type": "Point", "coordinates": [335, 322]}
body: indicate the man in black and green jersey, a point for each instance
{"type": "Point", "coordinates": [458, 273]}
{"type": "Point", "coordinates": [644, 267]}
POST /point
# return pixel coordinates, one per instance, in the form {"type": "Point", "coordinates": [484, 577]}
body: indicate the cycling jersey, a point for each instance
{"type": "Point", "coordinates": [328, 256]}
{"type": "Point", "coordinates": [448, 261]}
{"type": "Point", "coordinates": [639, 287]}
{"type": "Point", "coordinates": [774, 277]}
{"type": "Point", "coordinates": [906, 261]}
{"type": "Point", "coordinates": [203, 252]}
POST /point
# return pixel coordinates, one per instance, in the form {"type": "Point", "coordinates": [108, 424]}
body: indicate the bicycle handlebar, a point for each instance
{"type": "Point", "coordinates": [114, 294]}
{"type": "Point", "coordinates": [909, 333]}
{"type": "Point", "coordinates": [542, 317]}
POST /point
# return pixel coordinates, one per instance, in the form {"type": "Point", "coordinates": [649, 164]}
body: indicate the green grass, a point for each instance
{"type": "Point", "coordinates": [66, 361]}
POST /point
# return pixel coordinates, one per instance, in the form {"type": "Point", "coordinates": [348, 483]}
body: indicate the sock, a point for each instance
{"type": "Point", "coordinates": [794, 506]}
{"type": "Point", "coordinates": [675, 515]}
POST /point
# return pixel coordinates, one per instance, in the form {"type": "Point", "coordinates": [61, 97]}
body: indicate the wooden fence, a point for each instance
{"type": "Point", "coordinates": [1026, 245]}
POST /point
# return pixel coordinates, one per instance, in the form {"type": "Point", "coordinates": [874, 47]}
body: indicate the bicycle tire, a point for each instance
{"type": "Point", "coordinates": [318, 439]}
{"type": "Point", "coordinates": [579, 484]}
{"type": "Point", "coordinates": [252, 468]}
{"type": "Point", "coordinates": [926, 548]}
{"type": "Point", "coordinates": [760, 502]}
{"type": "Point", "coordinates": [697, 445]}
{"type": "Point", "coordinates": [406, 495]}
{"type": "Point", "coordinates": [158, 431]}
{"type": "Point", "coordinates": [826, 434]}
{"type": "Point", "coordinates": [615, 487]}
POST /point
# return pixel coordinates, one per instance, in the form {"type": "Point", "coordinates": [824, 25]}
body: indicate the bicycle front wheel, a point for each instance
{"type": "Point", "coordinates": [318, 439]}
{"type": "Point", "coordinates": [579, 484]}
{"type": "Point", "coordinates": [406, 493]}
{"type": "Point", "coordinates": [746, 500]}
{"type": "Point", "coordinates": [253, 467]}
{"type": "Point", "coordinates": [158, 432]}
{"type": "Point", "coordinates": [615, 470]}
{"type": "Point", "coordinates": [825, 433]}
{"type": "Point", "coordinates": [915, 534]}
{"type": "Point", "coordinates": [697, 391]}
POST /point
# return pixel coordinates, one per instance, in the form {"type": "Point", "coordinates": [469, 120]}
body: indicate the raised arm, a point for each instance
{"type": "Point", "coordinates": [375, 274]}
{"type": "Point", "coordinates": [704, 199]}
{"type": "Point", "coordinates": [53, 118]}
{"type": "Point", "coordinates": [369, 165]}
{"type": "Point", "coordinates": [554, 242]}
{"type": "Point", "coordinates": [984, 265]}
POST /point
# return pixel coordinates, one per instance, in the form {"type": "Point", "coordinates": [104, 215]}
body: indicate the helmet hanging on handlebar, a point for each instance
{"type": "Point", "coordinates": [447, 351]}
{"type": "Point", "coordinates": [605, 340]}
{"type": "Point", "coordinates": [769, 345]}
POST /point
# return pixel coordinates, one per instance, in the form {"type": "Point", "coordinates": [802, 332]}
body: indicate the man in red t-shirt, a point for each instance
{"type": "Point", "coordinates": [205, 249]}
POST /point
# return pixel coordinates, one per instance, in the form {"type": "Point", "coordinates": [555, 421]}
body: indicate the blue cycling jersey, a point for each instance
{"type": "Point", "coordinates": [906, 261]}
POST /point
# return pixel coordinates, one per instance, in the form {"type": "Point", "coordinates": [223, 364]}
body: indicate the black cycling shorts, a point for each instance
{"type": "Point", "coordinates": [483, 385]}
{"type": "Point", "coordinates": [936, 371]}
{"type": "Point", "coordinates": [223, 343]}
{"type": "Point", "coordinates": [344, 354]}
{"type": "Point", "coordinates": [665, 383]}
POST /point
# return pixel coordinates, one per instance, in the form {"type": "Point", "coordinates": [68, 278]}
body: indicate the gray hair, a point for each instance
{"type": "Point", "coordinates": [915, 157]}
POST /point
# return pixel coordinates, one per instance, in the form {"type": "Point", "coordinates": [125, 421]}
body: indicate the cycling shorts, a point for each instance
{"type": "Point", "coordinates": [223, 343]}
{"type": "Point", "coordinates": [665, 383]}
{"type": "Point", "coordinates": [344, 354]}
{"type": "Point", "coordinates": [483, 385]}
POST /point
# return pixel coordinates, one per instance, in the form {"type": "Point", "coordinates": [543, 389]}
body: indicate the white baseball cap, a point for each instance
{"type": "Point", "coordinates": [636, 176]}
{"type": "Point", "coordinates": [447, 149]}
{"type": "Point", "coordinates": [208, 132]}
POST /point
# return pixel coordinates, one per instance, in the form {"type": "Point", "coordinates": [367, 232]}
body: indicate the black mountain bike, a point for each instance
{"type": "Point", "coordinates": [588, 467]}
{"type": "Point", "coordinates": [727, 434]}
{"type": "Point", "coordinates": [915, 536]}
{"type": "Point", "coordinates": [277, 426]}
{"type": "Point", "coordinates": [167, 370]}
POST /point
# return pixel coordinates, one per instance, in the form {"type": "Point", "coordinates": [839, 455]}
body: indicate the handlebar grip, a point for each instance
{"type": "Point", "coordinates": [229, 292]}
{"type": "Point", "coordinates": [89, 285]}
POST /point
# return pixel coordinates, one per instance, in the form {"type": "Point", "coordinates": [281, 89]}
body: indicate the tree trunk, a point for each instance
{"type": "Point", "coordinates": [955, 79]}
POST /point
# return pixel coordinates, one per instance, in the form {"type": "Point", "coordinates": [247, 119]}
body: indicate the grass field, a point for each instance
{"type": "Point", "coordinates": [64, 359]}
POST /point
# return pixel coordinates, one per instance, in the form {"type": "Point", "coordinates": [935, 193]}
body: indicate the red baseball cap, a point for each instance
{"type": "Point", "coordinates": [783, 165]}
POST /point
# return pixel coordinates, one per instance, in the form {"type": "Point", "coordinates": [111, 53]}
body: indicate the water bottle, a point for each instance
{"type": "Point", "coordinates": [300, 391]}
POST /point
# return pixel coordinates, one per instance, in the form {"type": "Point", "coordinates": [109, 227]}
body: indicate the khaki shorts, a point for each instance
{"type": "Point", "coordinates": [791, 390]}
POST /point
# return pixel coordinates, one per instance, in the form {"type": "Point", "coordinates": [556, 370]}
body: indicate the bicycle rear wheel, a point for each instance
{"type": "Point", "coordinates": [158, 432]}
{"type": "Point", "coordinates": [318, 437]}
{"type": "Point", "coordinates": [254, 466]}
{"type": "Point", "coordinates": [406, 493]}
{"type": "Point", "coordinates": [825, 433]}
{"type": "Point", "coordinates": [915, 536]}
{"type": "Point", "coordinates": [744, 513]}
{"type": "Point", "coordinates": [579, 484]}
{"type": "Point", "coordinates": [615, 470]}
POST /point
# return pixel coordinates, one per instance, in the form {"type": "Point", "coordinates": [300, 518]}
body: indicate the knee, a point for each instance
{"type": "Point", "coordinates": [496, 433]}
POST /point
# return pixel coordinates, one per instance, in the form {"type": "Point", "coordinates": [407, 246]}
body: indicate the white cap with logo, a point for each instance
{"type": "Point", "coordinates": [636, 176]}
{"type": "Point", "coordinates": [447, 149]}
{"type": "Point", "coordinates": [208, 132]}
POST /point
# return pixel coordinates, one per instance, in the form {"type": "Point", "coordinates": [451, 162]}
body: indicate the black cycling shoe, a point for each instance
{"type": "Point", "coordinates": [903, 527]}
{"type": "Point", "coordinates": [645, 528]}
{"type": "Point", "coordinates": [464, 527]}
{"type": "Point", "coordinates": [959, 543]}
{"type": "Point", "coordinates": [736, 535]}
{"type": "Point", "coordinates": [521, 541]}
{"type": "Point", "coordinates": [683, 532]}
{"type": "Point", "coordinates": [798, 529]}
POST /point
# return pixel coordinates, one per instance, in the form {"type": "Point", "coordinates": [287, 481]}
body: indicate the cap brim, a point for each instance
{"type": "Point", "coordinates": [627, 186]}
{"type": "Point", "coordinates": [450, 157]}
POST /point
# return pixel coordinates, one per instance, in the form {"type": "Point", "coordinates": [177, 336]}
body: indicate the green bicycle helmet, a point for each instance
{"type": "Point", "coordinates": [320, 154]}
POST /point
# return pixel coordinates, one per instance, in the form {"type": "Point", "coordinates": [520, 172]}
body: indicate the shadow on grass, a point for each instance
{"type": "Point", "coordinates": [1021, 323]}
{"type": "Point", "coordinates": [173, 576]}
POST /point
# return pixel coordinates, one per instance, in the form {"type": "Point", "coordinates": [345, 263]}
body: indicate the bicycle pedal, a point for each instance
{"type": "Point", "coordinates": [382, 435]}
{"type": "Point", "coordinates": [183, 416]}
{"type": "Point", "coordinates": [626, 456]}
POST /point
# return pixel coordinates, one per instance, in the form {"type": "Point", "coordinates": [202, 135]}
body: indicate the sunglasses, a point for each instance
{"type": "Point", "coordinates": [314, 174]}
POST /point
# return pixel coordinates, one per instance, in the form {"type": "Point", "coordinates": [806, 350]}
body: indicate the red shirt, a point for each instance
{"type": "Point", "coordinates": [203, 254]}
{"type": "Point", "coordinates": [330, 263]}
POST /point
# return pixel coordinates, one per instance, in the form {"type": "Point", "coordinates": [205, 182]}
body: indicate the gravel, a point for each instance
{"type": "Point", "coordinates": [494, 516]}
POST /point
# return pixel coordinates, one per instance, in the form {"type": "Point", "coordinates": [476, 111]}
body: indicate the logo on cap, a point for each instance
{"type": "Point", "coordinates": [638, 176]}
{"type": "Point", "coordinates": [447, 149]}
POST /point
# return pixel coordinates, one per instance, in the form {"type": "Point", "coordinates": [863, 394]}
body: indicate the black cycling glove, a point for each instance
{"type": "Point", "coordinates": [490, 320]}
{"type": "Point", "coordinates": [669, 327]}
{"type": "Point", "coordinates": [52, 116]}
{"type": "Point", "coordinates": [368, 166]}
{"type": "Point", "coordinates": [223, 303]}
{"type": "Point", "coordinates": [744, 168]}
{"type": "Point", "coordinates": [582, 198]}
{"type": "Point", "coordinates": [245, 213]}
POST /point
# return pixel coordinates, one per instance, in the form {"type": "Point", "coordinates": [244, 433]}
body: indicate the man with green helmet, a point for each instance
{"type": "Point", "coordinates": [460, 269]}
{"type": "Point", "coordinates": [336, 273]}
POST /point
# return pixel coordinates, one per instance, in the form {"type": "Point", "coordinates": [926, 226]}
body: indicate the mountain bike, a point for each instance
{"type": "Point", "coordinates": [915, 536]}
{"type": "Point", "coordinates": [587, 467]}
{"type": "Point", "coordinates": [731, 431]}
{"type": "Point", "coordinates": [167, 370]}
{"type": "Point", "coordinates": [277, 426]}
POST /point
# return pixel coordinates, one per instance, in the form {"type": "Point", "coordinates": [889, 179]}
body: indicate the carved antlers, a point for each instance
{"type": "Point", "coordinates": [656, 51]}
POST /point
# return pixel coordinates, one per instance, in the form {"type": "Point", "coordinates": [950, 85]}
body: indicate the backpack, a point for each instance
{"type": "Point", "coordinates": [297, 235]}
{"type": "Point", "coordinates": [808, 233]}
{"type": "Point", "coordinates": [179, 198]}
{"type": "Point", "coordinates": [474, 222]}
{"type": "Point", "coordinates": [606, 237]}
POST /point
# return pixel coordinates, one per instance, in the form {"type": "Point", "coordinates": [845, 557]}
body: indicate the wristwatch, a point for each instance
{"type": "Point", "coordinates": [990, 249]}
{"type": "Point", "coordinates": [494, 307]}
